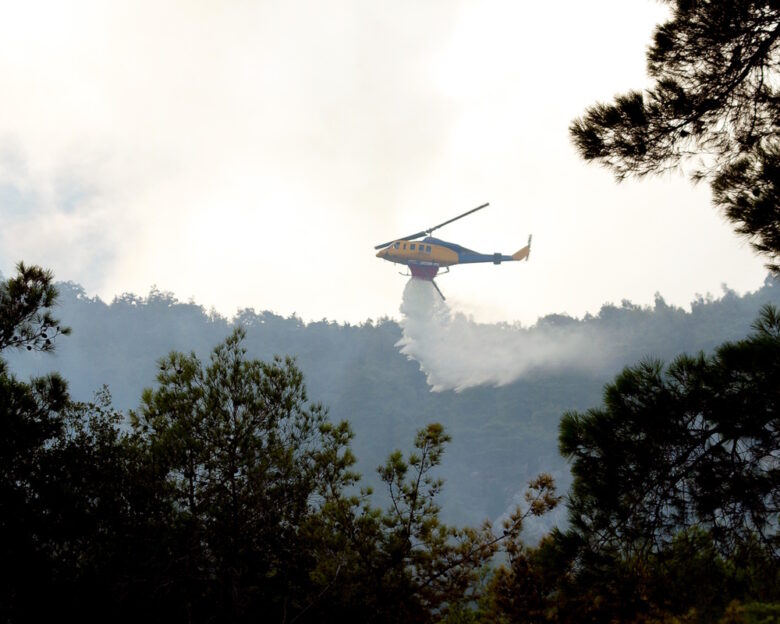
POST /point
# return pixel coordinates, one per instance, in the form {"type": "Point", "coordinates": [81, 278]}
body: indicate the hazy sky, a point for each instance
{"type": "Point", "coordinates": [250, 154]}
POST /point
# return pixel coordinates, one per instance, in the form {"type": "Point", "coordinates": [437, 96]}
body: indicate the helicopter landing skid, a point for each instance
{"type": "Point", "coordinates": [443, 298]}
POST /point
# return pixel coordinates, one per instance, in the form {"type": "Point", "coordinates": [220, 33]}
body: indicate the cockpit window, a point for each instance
{"type": "Point", "coordinates": [397, 245]}
{"type": "Point", "coordinates": [412, 246]}
{"type": "Point", "coordinates": [428, 248]}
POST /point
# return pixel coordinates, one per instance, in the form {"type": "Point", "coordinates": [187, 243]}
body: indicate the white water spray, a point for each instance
{"type": "Point", "coordinates": [456, 353]}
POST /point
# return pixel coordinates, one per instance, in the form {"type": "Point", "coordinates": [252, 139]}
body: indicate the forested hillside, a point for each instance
{"type": "Point", "coordinates": [501, 436]}
{"type": "Point", "coordinates": [225, 495]}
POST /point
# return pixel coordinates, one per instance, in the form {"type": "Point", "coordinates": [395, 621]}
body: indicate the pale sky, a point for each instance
{"type": "Point", "coordinates": [251, 154]}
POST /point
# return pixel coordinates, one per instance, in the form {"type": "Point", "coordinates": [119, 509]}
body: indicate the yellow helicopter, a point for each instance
{"type": "Point", "coordinates": [426, 257]}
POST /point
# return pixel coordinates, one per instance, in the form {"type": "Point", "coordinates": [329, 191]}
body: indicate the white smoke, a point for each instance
{"type": "Point", "coordinates": [456, 353]}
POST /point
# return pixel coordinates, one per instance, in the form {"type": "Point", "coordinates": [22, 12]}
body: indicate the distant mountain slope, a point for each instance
{"type": "Point", "coordinates": [502, 436]}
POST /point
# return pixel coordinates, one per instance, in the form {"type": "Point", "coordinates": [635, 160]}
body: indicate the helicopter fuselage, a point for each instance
{"type": "Point", "coordinates": [425, 257]}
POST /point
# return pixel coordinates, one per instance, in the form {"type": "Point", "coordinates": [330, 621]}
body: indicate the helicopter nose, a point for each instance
{"type": "Point", "coordinates": [381, 253]}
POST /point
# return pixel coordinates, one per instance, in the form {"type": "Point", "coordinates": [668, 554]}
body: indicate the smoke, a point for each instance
{"type": "Point", "coordinates": [456, 353]}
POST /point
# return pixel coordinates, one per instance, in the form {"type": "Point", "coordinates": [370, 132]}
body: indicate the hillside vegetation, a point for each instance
{"type": "Point", "coordinates": [229, 493]}
{"type": "Point", "coordinates": [501, 436]}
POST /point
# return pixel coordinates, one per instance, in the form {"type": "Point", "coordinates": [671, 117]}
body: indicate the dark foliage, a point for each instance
{"type": "Point", "coordinates": [748, 190]}
{"type": "Point", "coordinates": [691, 444]}
{"type": "Point", "coordinates": [251, 470]}
{"type": "Point", "coordinates": [714, 101]}
{"type": "Point", "coordinates": [502, 437]}
{"type": "Point", "coordinates": [231, 500]}
{"type": "Point", "coordinates": [25, 310]}
{"type": "Point", "coordinates": [688, 580]}
{"type": "Point", "coordinates": [674, 506]}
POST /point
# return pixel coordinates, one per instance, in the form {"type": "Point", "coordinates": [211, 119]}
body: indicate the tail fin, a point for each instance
{"type": "Point", "coordinates": [524, 252]}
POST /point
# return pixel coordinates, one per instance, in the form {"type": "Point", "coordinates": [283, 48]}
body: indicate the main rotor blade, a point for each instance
{"type": "Point", "coordinates": [436, 227]}
{"type": "Point", "coordinates": [412, 237]}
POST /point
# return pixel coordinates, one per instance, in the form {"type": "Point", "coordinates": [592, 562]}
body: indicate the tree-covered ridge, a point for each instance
{"type": "Point", "coordinates": [502, 436]}
{"type": "Point", "coordinates": [141, 329]}
{"type": "Point", "coordinates": [229, 499]}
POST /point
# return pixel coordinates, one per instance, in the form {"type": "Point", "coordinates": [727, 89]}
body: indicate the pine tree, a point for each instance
{"type": "Point", "coordinates": [715, 104]}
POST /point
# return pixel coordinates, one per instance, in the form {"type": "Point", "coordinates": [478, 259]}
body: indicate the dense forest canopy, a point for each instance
{"type": "Point", "coordinates": [227, 499]}
{"type": "Point", "coordinates": [502, 436]}
{"type": "Point", "coordinates": [229, 495]}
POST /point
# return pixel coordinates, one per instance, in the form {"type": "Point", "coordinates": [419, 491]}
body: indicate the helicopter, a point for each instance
{"type": "Point", "coordinates": [426, 257]}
